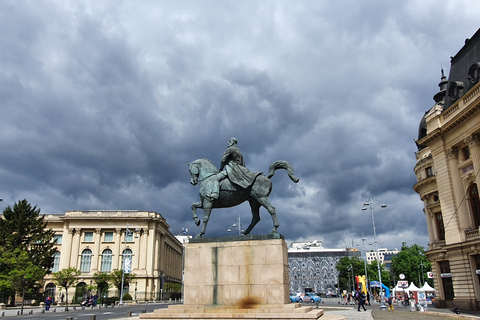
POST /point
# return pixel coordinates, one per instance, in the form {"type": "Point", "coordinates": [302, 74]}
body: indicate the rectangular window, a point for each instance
{"type": "Point", "coordinates": [57, 238]}
{"type": "Point", "coordinates": [440, 226]}
{"type": "Point", "coordinates": [88, 237]}
{"type": "Point", "coordinates": [129, 236]}
{"type": "Point", "coordinates": [466, 153]}
{"type": "Point", "coordinates": [429, 172]}
{"type": "Point", "coordinates": [56, 262]}
{"type": "Point", "coordinates": [108, 236]}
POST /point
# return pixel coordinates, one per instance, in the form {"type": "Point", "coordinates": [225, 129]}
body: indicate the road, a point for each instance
{"type": "Point", "coordinates": [79, 314]}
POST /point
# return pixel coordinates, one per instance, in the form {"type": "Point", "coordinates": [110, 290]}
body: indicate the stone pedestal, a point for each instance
{"type": "Point", "coordinates": [250, 271]}
{"type": "Point", "coordinates": [243, 277]}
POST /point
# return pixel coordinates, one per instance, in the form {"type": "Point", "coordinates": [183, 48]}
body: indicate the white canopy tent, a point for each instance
{"type": "Point", "coordinates": [412, 287]}
{"type": "Point", "coordinates": [427, 288]}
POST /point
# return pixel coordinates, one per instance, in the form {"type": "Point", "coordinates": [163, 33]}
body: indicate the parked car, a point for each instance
{"type": "Point", "coordinates": [295, 297]}
{"type": "Point", "coordinates": [311, 297]}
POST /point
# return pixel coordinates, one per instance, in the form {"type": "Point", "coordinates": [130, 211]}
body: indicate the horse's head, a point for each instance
{"type": "Point", "coordinates": [192, 167]}
{"type": "Point", "coordinates": [200, 169]}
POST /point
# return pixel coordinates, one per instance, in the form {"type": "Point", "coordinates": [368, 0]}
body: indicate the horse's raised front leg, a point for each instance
{"type": "Point", "coordinates": [207, 209]}
{"type": "Point", "coordinates": [195, 206]}
{"type": "Point", "coordinates": [255, 206]}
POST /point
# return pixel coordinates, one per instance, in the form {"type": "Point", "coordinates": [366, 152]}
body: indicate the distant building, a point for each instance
{"type": "Point", "coordinates": [313, 267]}
{"type": "Point", "coordinates": [447, 170]}
{"type": "Point", "coordinates": [382, 253]}
{"type": "Point", "coordinates": [97, 241]}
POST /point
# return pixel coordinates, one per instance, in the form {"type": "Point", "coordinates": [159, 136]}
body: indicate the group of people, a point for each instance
{"type": "Point", "coordinates": [90, 301]}
{"type": "Point", "coordinates": [362, 299]}
{"type": "Point", "coordinates": [349, 298]}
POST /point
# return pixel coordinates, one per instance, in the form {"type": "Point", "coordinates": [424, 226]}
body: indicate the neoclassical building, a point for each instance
{"type": "Point", "coordinates": [101, 241]}
{"type": "Point", "coordinates": [447, 170]}
{"type": "Point", "coordinates": [311, 266]}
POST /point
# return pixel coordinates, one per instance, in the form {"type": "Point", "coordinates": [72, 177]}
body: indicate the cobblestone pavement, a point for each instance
{"type": "Point", "coordinates": [374, 313]}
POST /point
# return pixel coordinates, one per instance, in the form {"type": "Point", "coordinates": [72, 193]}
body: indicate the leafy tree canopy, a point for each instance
{"type": "Point", "coordinates": [23, 228]}
{"type": "Point", "coordinates": [413, 263]}
{"type": "Point", "coordinates": [117, 278]}
{"type": "Point", "coordinates": [66, 278]}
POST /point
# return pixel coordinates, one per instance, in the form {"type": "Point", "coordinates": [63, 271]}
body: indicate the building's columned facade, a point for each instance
{"type": "Point", "coordinates": [447, 170]}
{"type": "Point", "coordinates": [97, 241]}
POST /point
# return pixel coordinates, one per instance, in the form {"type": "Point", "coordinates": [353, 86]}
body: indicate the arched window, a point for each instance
{"type": "Point", "coordinates": [50, 290]}
{"type": "Point", "coordinates": [475, 205]}
{"type": "Point", "coordinates": [106, 265]}
{"type": "Point", "coordinates": [127, 254]}
{"type": "Point", "coordinates": [86, 260]}
{"type": "Point", "coordinates": [56, 262]}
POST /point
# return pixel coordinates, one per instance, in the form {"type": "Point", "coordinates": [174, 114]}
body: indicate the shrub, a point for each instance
{"type": "Point", "coordinates": [127, 296]}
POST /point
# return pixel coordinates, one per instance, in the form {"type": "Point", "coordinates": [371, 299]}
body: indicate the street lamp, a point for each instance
{"type": "Point", "coordinates": [353, 279]}
{"type": "Point", "coordinates": [366, 205]}
{"type": "Point", "coordinates": [421, 283]}
{"type": "Point", "coordinates": [238, 224]}
{"type": "Point", "coordinates": [365, 261]}
{"type": "Point", "coordinates": [126, 262]}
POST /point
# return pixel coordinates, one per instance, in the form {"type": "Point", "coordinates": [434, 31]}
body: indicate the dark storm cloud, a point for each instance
{"type": "Point", "coordinates": [103, 105]}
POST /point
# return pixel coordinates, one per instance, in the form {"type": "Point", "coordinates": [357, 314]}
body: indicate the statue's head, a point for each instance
{"type": "Point", "coordinates": [232, 141]}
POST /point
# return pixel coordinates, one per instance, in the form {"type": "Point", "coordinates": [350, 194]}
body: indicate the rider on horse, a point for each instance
{"type": "Point", "coordinates": [235, 169]}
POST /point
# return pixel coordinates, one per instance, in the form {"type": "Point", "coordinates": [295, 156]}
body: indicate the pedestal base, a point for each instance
{"type": "Point", "coordinates": [234, 271]}
{"type": "Point", "coordinates": [244, 277]}
{"type": "Point", "coordinates": [265, 312]}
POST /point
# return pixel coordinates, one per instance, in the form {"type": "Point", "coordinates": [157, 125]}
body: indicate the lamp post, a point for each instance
{"type": "Point", "coordinates": [421, 266]}
{"type": "Point", "coordinates": [366, 205]}
{"type": "Point", "coordinates": [365, 261]}
{"type": "Point", "coordinates": [238, 224]}
{"type": "Point", "coordinates": [126, 264]}
{"type": "Point", "coordinates": [353, 279]}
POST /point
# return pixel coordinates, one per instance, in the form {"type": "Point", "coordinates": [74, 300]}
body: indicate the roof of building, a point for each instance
{"type": "Point", "coordinates": [464, 74]}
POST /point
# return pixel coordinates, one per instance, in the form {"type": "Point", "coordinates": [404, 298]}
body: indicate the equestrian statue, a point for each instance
{"type": "Point", "coordinates": [234, 185]}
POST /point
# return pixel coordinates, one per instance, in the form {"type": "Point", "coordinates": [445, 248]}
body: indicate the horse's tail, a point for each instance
{"type": "Point", "coordinates": [282, 165]}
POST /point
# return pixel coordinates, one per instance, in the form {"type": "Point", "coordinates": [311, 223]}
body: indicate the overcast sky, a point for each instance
{"type": "Point", "coordinates": [104, 102]}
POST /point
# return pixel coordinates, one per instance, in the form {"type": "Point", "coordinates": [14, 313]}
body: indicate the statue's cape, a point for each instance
{"type": "Point", "coordinates": [240, 175]}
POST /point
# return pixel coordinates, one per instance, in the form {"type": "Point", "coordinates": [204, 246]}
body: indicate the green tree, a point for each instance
{"type": "Point", "coordinates": [66, 278]}
{"type": "Point", "coordinates": [23, 230]}
{"type": "Point", "coordinates": [344, 266]}
{"type": "Point", "coordinates": [24, 274]}
{"type": "Point", "coordinates": [411, 261]}
{"type": "Point", "coordinates": [373, 273]}
{"type": "Point", "coordinates": [117, 279]}
{"type": "Point", "coordinates": [102, 280]}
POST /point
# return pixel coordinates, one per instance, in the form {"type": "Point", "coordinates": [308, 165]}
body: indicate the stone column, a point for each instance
{"type": "Point", "coordinates": [156, 254]}
{"type": "Point", "coordinates": [67, 242]}
{"type": "Point", "coordinates": [137, 254]}
{"type": "Point", "coordinates": [150, 257]}
{"type": "Point", "coordinates": [96, 253]}
{"type": "Point", "coordinates": [117, 261]}
{"type": "Point", "coordinates": [474, 148]}
{"type": "Point", "coordinates": [143, 261]}
{"type": "Point", "coordinates": [431, 225]}
{"type": "Point", "coordinates": [463, 215]}
{"type": "Point", "coordinates": [75, 247]}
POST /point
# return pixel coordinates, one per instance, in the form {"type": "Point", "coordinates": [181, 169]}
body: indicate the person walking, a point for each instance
{"type": "Point", "coordinates": [361, 300]}
{"type": "Point", "coordinates": [48, 302]}
{"type": "Point", "coordinates": [390, 304]}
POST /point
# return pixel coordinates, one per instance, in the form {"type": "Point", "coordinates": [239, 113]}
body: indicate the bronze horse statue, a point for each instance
{"type": "Point", "coordinates": [230, 195]}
